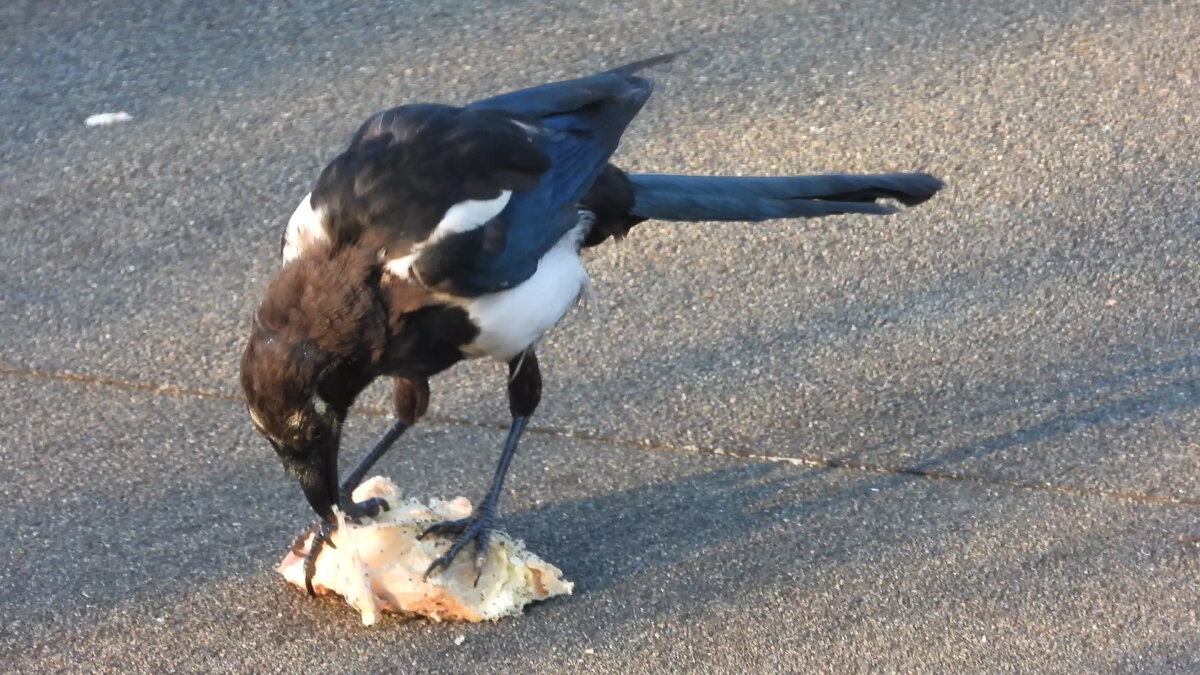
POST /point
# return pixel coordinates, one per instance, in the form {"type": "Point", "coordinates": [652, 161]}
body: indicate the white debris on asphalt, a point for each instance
{"type": "Point", "coordinates": [106, 119]}
{"type": "Point", "coordinates": [460, 639]}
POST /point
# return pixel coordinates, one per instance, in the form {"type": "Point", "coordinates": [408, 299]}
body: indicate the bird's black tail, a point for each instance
{"type": "Point", "coordinates": [699, 198]}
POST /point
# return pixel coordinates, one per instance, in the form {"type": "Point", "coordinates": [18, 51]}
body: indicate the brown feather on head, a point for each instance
{"type": "Point", "coordinates": [314, 346]}
{"type": "Point", "coordinates": [320, 314]}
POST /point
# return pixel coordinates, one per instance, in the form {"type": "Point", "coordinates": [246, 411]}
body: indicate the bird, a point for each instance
{"type": "Point", "coordinates": [446, 233]}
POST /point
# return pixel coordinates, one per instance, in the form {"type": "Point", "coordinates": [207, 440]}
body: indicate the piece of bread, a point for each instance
{"type": "Point", "coordinates": [379, 565]}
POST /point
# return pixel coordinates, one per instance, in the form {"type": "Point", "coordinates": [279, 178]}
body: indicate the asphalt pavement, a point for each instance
{"type": "Point", "coordinates": [963, 438]}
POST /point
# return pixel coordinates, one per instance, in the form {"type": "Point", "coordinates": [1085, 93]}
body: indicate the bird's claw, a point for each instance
{"type": "Point", "coordinates": [368, 508]}
{"type": "Point", "coordinates": [321, 530]}
{"type": "Point", "coordinates": [477, 528]}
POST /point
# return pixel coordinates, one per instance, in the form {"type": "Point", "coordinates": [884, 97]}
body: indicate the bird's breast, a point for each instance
{"type": "Point", "coordinates": [512, 320]}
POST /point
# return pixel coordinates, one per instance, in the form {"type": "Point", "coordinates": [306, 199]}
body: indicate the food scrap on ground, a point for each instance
{"type": "Point", "coordinates": [379, 565]}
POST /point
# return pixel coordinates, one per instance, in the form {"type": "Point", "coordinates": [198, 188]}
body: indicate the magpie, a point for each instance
{"type": "Point", "coordinates": [445, 233]}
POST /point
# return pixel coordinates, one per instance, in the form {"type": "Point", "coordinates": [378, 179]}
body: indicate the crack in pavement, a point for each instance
{"type": "Point", "coordinates": [657, 446]}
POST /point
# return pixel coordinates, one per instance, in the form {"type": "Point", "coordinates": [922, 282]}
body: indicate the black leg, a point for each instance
{"type": "Point", "coordinates": [410, 399]}
{"type": "Point", "coordinates": [370, 507]}
{"type": "Point", "coordinates": [356, 476]}
{"type": "Point", "coordinates": [524, 394]}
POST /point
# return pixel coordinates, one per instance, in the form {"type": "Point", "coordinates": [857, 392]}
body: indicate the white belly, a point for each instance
{"type": "Point", "coordinates": [513, 320]}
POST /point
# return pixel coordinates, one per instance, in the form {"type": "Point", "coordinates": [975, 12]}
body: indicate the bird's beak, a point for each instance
{"type": "Point", "coordinates": [316, 469]}
{"type": "Point", "coordinates": [320, 485]}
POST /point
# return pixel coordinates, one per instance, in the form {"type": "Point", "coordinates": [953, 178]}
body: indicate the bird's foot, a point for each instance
{"type": "Point", "coordinates": [368, 508]}
{"type": "Point", "coordinates": [321, 530]}
{"type": "Point", "coordinates": [477, 528]}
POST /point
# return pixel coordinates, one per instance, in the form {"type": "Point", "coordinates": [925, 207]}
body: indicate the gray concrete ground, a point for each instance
{"type": "Point", "coordinates": [990, 401]}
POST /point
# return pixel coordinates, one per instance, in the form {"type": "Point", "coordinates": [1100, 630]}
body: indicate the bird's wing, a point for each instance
{"type": "Point", "coordinates": [577, 124]}
{"type": "Point", "coordinates": [412, 173]}
{"type": "Point", "coordinates": [468, 200]}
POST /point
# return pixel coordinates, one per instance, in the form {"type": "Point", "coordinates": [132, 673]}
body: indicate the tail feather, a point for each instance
{"type": "Point", "coordinates": [699, 198]}
{"type": "Point", "coordinates": [631, 68]}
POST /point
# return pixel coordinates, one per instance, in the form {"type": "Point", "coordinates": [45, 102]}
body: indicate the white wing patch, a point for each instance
{"type": "Point", "coordinates": [462, 217]}
{"type": "Point", "coordinates": [305, 229]}
{"type": "Point", "coordinates": [468, 215]}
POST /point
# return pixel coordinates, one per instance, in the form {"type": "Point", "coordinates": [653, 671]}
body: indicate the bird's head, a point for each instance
{"type": "Point", "coordinates": [313, 345]}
